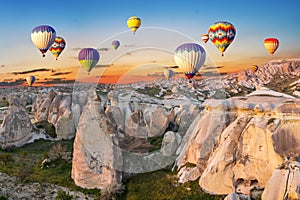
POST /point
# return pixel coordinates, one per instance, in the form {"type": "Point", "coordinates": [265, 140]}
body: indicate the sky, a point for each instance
{"type": "Point", "coordinates": [165, 25]}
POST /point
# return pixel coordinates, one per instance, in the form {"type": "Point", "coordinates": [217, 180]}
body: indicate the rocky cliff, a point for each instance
{"type": "Point", "coordinates": [235, 145]}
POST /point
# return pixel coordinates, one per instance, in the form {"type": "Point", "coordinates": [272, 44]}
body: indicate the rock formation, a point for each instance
{"type": "Point", "coordinates": [16, 128]}
{"type": "Point", "coordinates": [235, 145]}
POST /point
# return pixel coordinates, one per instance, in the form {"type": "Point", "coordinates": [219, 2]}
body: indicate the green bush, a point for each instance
{"type": "Point", "coordinates": [62, 195]}
{"type": "Point", "coordinates": [6, 158]}
{"type": "Point", "coordinates": [48, 127]}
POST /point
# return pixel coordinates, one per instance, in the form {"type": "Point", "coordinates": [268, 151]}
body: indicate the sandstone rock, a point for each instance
{"type": "Point", "coordinates": [95, 156]}
{"type": "Point", "coordinates": [170, 143]}
{"type": "Point", "coordinates": [284, 183]}
{"type": "Point", "coordinates": [43, 108]}
{"type": "Point", "coordinates": [16, 129]}
{"type": "Point", "coordinates": [157, 121]}
{"type": "Point", "coordinates": [135, 125]}
{"type": "Point", "coordinates": [236, 144]}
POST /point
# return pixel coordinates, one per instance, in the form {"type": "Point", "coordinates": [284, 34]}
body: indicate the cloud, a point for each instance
{"type": "Point", "coordinates": [76, 49]}
{"type": "Point", "coordinates": [129, 45]}
{"type": "Point", "coordinates": [212, 67]}
{"type": "Point", "coordinates": [32, 71]}
{"type": "Point", "coordinates": [59, 81]}
{"type": "Point", "coordinates": [103, 49]}
{"type": "Point", "coordinates": [173, 67]}
{"type": "Point", "coordinates": [14, 83]}
{"type": "Point", "coordinates": [2, 65]}
{"type": "Point", "coordinates": [101, 66]}
{"type": "Point", "coordinates": [60, 73]}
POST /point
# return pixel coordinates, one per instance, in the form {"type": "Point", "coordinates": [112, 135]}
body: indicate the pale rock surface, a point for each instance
{"type": "Point", "coordinates": [16, 128]}
{"type": "Point", "coordinates": [284, 183]}
{"type": "Point", "coordinates": [95, 156]}
{"type": "Point", "coordinates": [234, 145]}
{"type": "Point", "coordinates": [170, 143]}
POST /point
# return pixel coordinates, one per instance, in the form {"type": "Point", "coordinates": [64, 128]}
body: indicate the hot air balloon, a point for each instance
{"type": "Point", "coordinates": [88, 58]}
{"type": "Point", "coordinates": [271, 44]}
{"type": "Point", "coordinates": [190, 57]}
{"type": "Point", "coordinates": [134, 23]}
{"type": "Point", "coordinates": [30, 80]}
{"type": "Point", "coordinates": [221, 34]}
{"type": "Point", "coordinates": [57, 47]}
{"type": "Point", "coordinates": [43, 37]}
{"type": "Point", "coordinates": [204, 38]}
{"type": "Point", "coordinates": [168, 73]}
{"type": "Point", "coordinates": [115, 44]}
{"type": "Point", "coordinates": [254, 68]}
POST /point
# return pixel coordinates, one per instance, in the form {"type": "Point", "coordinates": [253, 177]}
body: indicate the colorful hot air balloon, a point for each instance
{"type": "Point", "coordinates": [88, 58]}
{"type": "Point", "coordinates": [43, 37]}
{"type": "Point", "coordinates": [57, 47]}
{"type": "Point", "coordinates": [30, 80]}
{"type": "Point", "coordinates": [134, 23]}
{"type": "Point", "coordinates": [254, 68]}
{"type": "Point", "coordinates": [168, 73]}
{"type": "Point", "coordinates": [271, 44]}
{"type": "Point", "coordinates": [222, 34]}
{"type": "Point", "coordinates": [204, 38]}
{"type": "Point", "coordinates": [190, 57]}
{"type": "Point", "coordinates": [115, 44]}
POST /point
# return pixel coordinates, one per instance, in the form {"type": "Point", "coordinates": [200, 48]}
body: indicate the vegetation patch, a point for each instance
{"type": "Point", "coordinates": [48, 127]}
{"type": "Point", "coordinates": [163, 184]}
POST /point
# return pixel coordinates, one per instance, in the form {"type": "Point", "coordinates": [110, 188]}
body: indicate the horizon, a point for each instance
{"type": "Point", "coordinates": [165, 25]}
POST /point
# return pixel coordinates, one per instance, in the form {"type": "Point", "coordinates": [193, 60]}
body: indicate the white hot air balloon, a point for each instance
{"type": "Point", "coordinates": [190, 57]}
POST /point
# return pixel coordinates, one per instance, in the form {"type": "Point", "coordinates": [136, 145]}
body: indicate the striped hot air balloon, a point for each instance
{"type": "Point", "coordinates": [88, 58]}
{"type": "Point", "coordinates": [43, 37]}
{"type": "Point", "coordinates": [221, 34]}
{"type": "Point", "coordinates": [30, 80]}
{"type": "Point", "coordinates": [204, 38]}
{"type": "Point", "coordinates": [134, 23]}
{"type": "Point", "coordinates": [190, 57]}
{"type": "Point", "coordinates": [115, 44]}
{"type": "Point", "coordinates": [57, 47]}
{"type": "Point", "coordinates": [271, 44]}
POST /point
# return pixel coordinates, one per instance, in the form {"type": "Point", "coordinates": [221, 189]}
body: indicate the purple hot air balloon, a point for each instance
{"type": "Point", "coordinates": [43, 37]}
{"type": "Point", "coordinates": [88, 58]}
{"type": "Point", "coordinates": [115, 44]}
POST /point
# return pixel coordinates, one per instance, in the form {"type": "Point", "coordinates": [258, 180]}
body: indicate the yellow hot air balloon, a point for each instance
{"type": "Point", "coordinates": [134, 23]}
{"type": "Point", "coordinates": [271, 44]}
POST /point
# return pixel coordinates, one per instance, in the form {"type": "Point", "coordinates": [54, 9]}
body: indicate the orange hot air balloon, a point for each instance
{"type": "Point", "coordinates": [254, 68]}
{"type": "Point", "coordinates": [271, 44]}
{"type": "Point", "coordinates": [204, 38]}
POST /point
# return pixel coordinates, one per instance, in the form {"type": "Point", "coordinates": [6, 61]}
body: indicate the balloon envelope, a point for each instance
{"type": "Point", "coordinates": [88, 58]}
{"type": "Point", "coordinates": [271, 44]}
{"type": "Point", "coordinates": [43, 37]}
{"type": "Point", "coordinates": [134, 23]}
{"type": "Point", "coordinates": [190, 57]}
{"type": "Point", "coordinates": [254, 68]}
{"type": "Point", "coordinates": [57, 47]}
{"type": "Point", "coordinates": [115, 44]}
{"type": "Point", "coordinates": [168, 74]}
{"type": "Point", "coordinates": [221, 34]}
{"type": "Point", "coordinates": [204, 38]}
{"type": "Point", "coordinates": [30, 80]}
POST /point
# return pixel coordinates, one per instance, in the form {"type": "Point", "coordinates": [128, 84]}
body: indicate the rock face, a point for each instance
{"type": "Point", "coordinates": [284, 183]}
{"type": "Point", "coordinates": [56, 108]}
{"type": "Point", "coordinates": [16, 129]}
{"type": "Point", "coordinates": [95, 156]}
{"type": "Point", "coordinates": [236, 144]}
